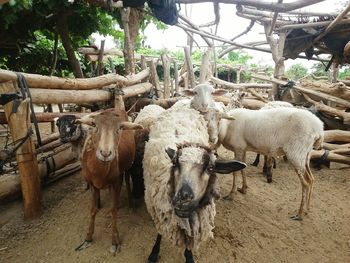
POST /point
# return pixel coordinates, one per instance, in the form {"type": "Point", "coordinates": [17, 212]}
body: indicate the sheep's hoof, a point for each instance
{"type": "Point", "coordinates": [153, 259]}
{"type": "Point", "coordinates": [115, 249]}
{"type": "Point", "coordinates": [269, 180]}
{"type": "Point", "coordinates": [242, 190]}
{"type": "Point", "coordinates": [296, 217]}
{"type": "Point", "coordinates": [84, 245]}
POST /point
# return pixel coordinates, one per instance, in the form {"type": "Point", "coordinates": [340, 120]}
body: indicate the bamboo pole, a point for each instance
{"type": "Point", "coordinates": [19, 124]}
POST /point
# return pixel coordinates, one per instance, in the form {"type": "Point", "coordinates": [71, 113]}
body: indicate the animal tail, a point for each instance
{"type": "Point", "coordinates": [318, 142]}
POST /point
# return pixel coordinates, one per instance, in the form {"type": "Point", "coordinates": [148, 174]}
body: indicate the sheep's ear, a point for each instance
{"type": "Point", "coordinates": [127, 125]}
{"type": "Point", "coordinates": [188, 92]}
{"type": "Point", "coordinates": [226, 117]}
{"type": "Point", "coordinates": [228, 166]}
{"type": "Point", "coordinates": [171, 153]}
{"type": "Point", "coordinates": [219, 92]}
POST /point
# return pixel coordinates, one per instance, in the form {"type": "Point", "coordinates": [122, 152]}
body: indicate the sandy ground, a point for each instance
{"type": "Point", "coordinates": [253, 228]}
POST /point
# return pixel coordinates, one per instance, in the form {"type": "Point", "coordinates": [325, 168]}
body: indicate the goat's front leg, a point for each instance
{"type": "Point", "coordinates": [115, 235]}
{"type": "Point", "coordinates": [128, 189]}
{"type": "Point", "coordinates": [188, 256]}
{"type": "Point", "coordinates": [94, 201]}
{"type": "Point", "coordinates": [154, 256]}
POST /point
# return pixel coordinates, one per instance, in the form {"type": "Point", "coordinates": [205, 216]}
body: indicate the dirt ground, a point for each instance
{"type": "Point", "coordinates": [253, 228]}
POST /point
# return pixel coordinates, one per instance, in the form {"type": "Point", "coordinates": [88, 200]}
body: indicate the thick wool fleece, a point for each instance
{"type": "Point", "coordinates": [175, 126]}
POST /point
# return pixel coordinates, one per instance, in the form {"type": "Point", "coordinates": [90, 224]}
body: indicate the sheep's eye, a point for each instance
{"type": "Point", "coordinates": [195, 92]}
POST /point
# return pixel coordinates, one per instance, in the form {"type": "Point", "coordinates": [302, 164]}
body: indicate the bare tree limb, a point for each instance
{"type": "Point", "coordinates": [277, 7]}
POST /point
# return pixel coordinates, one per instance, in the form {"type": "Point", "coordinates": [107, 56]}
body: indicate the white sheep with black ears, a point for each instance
{"type": "Point", "coordinates": [180, 180]}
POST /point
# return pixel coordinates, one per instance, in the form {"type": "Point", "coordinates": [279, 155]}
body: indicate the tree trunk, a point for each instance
{"type": "Point", "coordinates": [131, 18]}
{"type": "Point", "coordinates": [63, 30]}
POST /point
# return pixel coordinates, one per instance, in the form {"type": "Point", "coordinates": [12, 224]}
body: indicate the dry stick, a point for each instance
{"type": "Point", "coordinates": [154, 79]}
{"type": "Point", "coordinates": [252, 44]}
{"type": "Point", "coordinates": [333, 146]}
{"type": "Point", "coordinates": [257, 95]}
{"type": "Point", "coordinates": [166, 70]}
{"type": "Point", "coordinates": [176, 76]}
{"type": "Point", "coordinates": [191, 24]}
{"type": "Point", "coordinates": [203, 76]}
{"type": "Point", "coordinates": [319, 106]}
{"type": "Point", "coordinates": [333, 24]}
{"type": "Point", "coordinates": [277, 7]}
{"type": "Point", "coordinates": [333, 157]}
{"type": "Point", "coordinates": [100, 58]}
{"type": "Point", "coordinates": [190, 71]}
{"type": "Point", "coordinates": [313, 24]}
{"type": "Point", "coordinates": [209, 35]}
{"type": "Point", "coordinates": [230, 85]}
{"type": "Point", "coordinates": [304, 90]}
{"type": "Point", "coordinates": [337, 136]}
{"type": "Point", "coordinates": [46, 82]}
{"type": "Point", "coordinates": [273, 23]}
{"type": "Point", "coordinates": [217, 16]}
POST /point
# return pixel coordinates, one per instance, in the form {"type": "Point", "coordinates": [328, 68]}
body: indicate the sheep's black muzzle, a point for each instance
{"type": "Point", "coordinates": [184, 203]}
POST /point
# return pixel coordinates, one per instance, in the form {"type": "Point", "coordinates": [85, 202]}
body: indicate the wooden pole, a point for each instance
{"type": "Point", "coordinates": [154, 79]}
{"type": "Point", "coordinates": [19, 124]}
{"type": "Point", "coordinates": [189, 64]}
{"type": "Point", "coordinates": [100, 59]}
{"type": "Point", "coordinates": [166, 70]}
{"type": "Point", "coordinates": [47, 82]}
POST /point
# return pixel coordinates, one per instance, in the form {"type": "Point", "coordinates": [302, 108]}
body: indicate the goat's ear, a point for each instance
{"type": "Point", "coordinates": [127, 125]}
{"type": "Point", "coordinates": [226, 116]}
{"type": "Point", "coordinates": [228, 166]}
{"type": "Point", "coordinates": [188, 92]}
{"type": "Point", "coordinates": [219, 92]}
{"type": "Point", "coordinates": [171, 153]}
{"type": "Point", "coordinates": [87, 121]}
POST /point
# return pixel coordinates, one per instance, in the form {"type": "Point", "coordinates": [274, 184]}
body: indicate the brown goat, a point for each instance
{"type": "Point", "coordinates": [108, 152]}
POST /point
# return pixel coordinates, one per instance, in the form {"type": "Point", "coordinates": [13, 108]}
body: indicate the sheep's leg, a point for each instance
{"type": "Point", "coordinates": [230, 195]}
{"type": "Point", "coordinates": [154, 256]}
{"type": "Point", "coordinates": [257, 160]}
{"type": "Point", "coordinates": [188, 256]}
{"type": "Point", "coordinates": [269, 163]}
{"type": "Point", "coordinates": [115, 235]}
{"type": "Point", "coordinates": [128, 189]}
{"type": "Point", "coordinates": [312, 180]}
{"type": "Point", "coordinates": [93, 212]}
{"type": "Point", "coordinates": [265, 165]}
{"type": "Point", "coordinates": [305, 189]}
{"type": "Point", "coordinates": [240, 156]}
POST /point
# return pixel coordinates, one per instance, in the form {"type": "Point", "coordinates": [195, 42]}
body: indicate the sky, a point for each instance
{"type": "Point", "coordinates": [174, 38]}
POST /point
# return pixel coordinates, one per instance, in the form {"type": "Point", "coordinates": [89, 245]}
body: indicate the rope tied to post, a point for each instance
{"type": "Point", "coordinates": [23, 85]}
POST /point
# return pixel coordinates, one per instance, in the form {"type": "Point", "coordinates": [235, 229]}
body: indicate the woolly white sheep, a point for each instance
{"type": "Point", "coordinates": [180, 180]}
{"type": "Point", "coordinates": [280, 131]}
